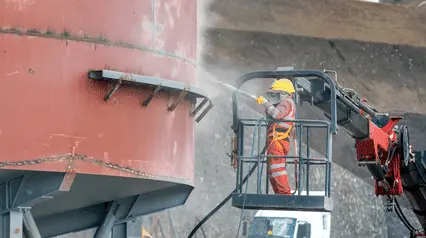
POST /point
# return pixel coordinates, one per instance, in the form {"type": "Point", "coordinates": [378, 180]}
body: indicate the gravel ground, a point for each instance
{"type": "Point", "coordinates": [330, 19]}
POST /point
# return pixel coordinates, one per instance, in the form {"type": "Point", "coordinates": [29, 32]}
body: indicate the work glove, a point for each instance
{"type": "Point", "coordinates": [261, 100]}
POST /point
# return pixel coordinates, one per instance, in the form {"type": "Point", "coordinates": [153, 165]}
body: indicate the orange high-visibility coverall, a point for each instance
{"type": "Point", "coordinates": [278, 143]}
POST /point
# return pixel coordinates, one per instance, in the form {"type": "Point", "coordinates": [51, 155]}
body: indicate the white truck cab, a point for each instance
{"type": "Point", "coordinates": [290, 224]}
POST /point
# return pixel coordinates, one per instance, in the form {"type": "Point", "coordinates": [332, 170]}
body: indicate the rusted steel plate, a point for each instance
{"type": "Point", "coordinates": [168, 26]}
{"type": "Point", "coordinates": [51, 110]}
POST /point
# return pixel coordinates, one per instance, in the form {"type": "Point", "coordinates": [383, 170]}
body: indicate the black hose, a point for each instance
{"type": "Point", "coordinates": [220, 205]}
{"type": "Point", "coordinates": [390, 153]}
{"type": "Point", "coordinates": [402, 217]}
{"type": "Point", "coordinates": [389, 159]}
{"type": "Point", "coordinates": [399, 213]}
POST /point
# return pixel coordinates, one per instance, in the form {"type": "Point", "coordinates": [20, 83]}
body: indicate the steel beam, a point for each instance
{"type": "Point", "coordinates": [40, 186]}
{"type": "Point", "coordinates": [110, 218]}
{"type": "Point", "coordinates": [189, 92]}
{"type": "Point", "coordinates": [119, 231]}
{"type": "Point", "coordinates": [128, 209]}
{"type": "Point", "coordinates": [11, 224]}
{"type": "Point", "coordinates": [143, 80]}
{"type": "Point", "coordinates": [75, 220]}
{"type": "Point", "coordinates": [30, 189]}
{"type": "Point", "coordinates": [172, 196]}
{"type": "Point", "coordinates": [15, 224]}
{"type": "Point", "coordinates": [18, 194]}
{"type": "Point", "coordinates": [31, 230]}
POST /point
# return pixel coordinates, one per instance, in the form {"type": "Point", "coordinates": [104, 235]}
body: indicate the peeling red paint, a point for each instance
{"type": "Point", "coordinates": [127, 21]}
{"type": "Point", "coordinates": [169, 17]}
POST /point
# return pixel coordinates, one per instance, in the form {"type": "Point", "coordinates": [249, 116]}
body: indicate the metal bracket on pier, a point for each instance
{"type": "Point", "coordinates": [171, 87]}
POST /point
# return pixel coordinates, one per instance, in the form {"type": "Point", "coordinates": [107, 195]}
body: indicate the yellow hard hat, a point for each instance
{"type": "Point", "coordinates": [283, 85]}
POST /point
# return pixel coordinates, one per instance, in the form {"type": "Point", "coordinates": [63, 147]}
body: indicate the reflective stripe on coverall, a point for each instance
{"type": "Point", "coordinates": [279, 143]}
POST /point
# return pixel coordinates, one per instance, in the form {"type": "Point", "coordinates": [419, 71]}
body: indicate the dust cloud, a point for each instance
{"type": "Point", "coordinates": [208, 76]}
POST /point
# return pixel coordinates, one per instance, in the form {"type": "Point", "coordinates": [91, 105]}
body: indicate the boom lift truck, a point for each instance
{"type": "Point", "coordinates": [382, 146]}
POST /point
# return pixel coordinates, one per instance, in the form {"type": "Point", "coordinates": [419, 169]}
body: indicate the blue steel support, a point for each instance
{"type": "Point", "coordinates": [173, 196]}
{"type": "Point", "coordinates": [128, 209]}
{"type": "Point", "coordinates": [76, 220]}
{"type": "Point", "coordinates": [11, 224]}
{"type": "Point", "coordinates": [132, 229]}
{"type": "Point", "coordinates": [19, 183]}
{"type": "Point", "coordinates": [110, 218]}
{"type": "Point", "coordinates": [19, 193]}
{"type": "Point", "coordinates": [30, 226]}
{"type": "Point", "coordinates": [23, 190]}
{"type": "Point", "coordinates": [35, 188]}
{"type": "Point", "coordinates": [18, 223]}
{"type": "Point", "coordinates": [120, 231]}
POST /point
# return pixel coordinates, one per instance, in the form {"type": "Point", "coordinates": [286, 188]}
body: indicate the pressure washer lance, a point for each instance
{"type": "Point", "coordinates": [238, 90]}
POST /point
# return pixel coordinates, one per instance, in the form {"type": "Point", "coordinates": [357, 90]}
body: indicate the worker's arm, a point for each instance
{"type": "Point", "coordinates": [280, 111]}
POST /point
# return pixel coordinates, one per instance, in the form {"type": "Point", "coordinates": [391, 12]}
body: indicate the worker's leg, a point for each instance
{"type": "Point", "coordinates": [276, 167]}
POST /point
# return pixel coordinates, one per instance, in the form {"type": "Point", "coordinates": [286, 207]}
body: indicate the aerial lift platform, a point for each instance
{"type": "Point", "coordinates": [262, 200]}
{"type": "Point", "coordinates": [381, 145]}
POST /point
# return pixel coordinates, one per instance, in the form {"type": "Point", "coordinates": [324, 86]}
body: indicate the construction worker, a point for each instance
{"type": "Point", "coordinates": [279, 105]}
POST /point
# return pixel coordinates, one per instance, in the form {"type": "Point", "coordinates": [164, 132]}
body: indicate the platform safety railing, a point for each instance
{"type": "Point", "coordinates": [303, 159]}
